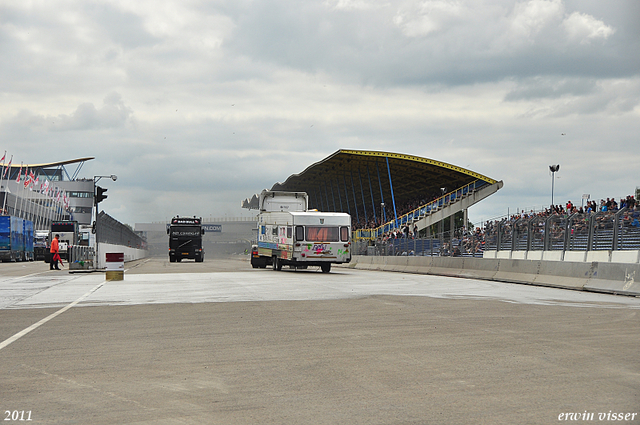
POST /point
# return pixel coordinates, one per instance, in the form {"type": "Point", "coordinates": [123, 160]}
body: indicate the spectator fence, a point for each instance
{"type": "Point", "coordinates": [604, 230]}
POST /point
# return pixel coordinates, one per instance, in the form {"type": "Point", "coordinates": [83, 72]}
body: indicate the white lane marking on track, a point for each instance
{"type": "Point", "coordinates": [22, 333]}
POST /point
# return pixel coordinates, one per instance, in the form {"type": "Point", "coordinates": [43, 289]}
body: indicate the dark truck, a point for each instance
{"type": "Point", "coordinates": [185, 239]}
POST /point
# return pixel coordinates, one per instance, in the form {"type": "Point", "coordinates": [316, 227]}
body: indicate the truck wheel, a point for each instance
{"type": "Point", "coordinates": [326, 268]}
{"type": "Point", "coordinates": [172, 259]}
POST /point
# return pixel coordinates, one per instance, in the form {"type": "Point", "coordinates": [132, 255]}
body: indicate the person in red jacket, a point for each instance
{"type": "Point", "coordinates": [55, 256]}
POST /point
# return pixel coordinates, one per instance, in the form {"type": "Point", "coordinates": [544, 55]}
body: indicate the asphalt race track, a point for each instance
{"type": "Point", "coordinates": [221, 343]}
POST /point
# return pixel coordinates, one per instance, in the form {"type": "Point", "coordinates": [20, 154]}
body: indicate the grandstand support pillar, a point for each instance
{"type": "Point", "coordinates": [465, 219]}
{"type": "Point", "coordinates": [383, 215]}
{"type": "Point", "coordinates": [339, 196]}
{"type": "Point", "coordinates": [355, 200]}
{"type": "Point", "coordinates": [373, 204]}
{"type": "Point", "coordinates": [393, 199]}
{"type": "Point", "coordinates": [452, 227]}
{"type": "Point", "coordinates": [332, 195]}
{"type": "Point", "coordinates": [441, 235]}
{"type": "Point", "coordinates": [326, 193]}
{"type": "Point", "coordinates": [364, 205]}
{"type": "Point", "coordinates": [346, 193]}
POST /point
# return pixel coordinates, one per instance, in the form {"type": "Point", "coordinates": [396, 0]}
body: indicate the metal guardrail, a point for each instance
{"type": "Point", "coordinates": [437, 246]}
{"type": "Point", "coordinates": [606, 230]}
{"type": "Point", "coordinates": [81, 257]}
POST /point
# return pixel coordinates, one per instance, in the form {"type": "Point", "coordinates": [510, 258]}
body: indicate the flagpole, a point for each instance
{"type": "Point", "coordinates": [4, 197]}
{"type": "Point", "coordinates": [40, 209]}
{"type": "Point", "coordinates": [15, 205]}
{"type": "Point", "coordinates": [6, 188]}
{"type": "Point", "coordinates": [28, 196]}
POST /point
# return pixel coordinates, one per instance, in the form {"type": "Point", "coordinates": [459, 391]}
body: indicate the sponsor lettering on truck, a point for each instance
{"type": "Point", "coordinates": [185, 239]}
{"type": "Point", "coordinates": [289, 234]}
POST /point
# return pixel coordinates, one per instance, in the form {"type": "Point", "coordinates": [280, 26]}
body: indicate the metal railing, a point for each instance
{"type": "Point", "coordinates": [420, 212]}
{"type": "Point", "coordinates": [81, 257]}
{"type": "Point", "coordinates": [469, 245]}
{"type": "Point", "coordinates": [606, 230]}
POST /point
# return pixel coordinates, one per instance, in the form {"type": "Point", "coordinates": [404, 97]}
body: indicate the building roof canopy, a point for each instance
{"type": "Point", "coordinates": [358, 178]}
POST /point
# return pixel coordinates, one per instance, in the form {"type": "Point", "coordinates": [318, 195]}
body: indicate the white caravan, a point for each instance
{"type": "Point", "coordinates": [289, 234]}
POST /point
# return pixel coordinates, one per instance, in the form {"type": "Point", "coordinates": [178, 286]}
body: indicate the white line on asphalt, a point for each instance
{"type": "Point", "coordinates": [46, 319]}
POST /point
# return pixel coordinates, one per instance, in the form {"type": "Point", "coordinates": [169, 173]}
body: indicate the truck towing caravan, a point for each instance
{"type": "Point", "coordinates": [290, 234]}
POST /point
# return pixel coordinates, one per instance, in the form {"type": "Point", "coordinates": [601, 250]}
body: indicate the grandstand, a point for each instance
{"type": "Point", "coordinates": [400, 205]}
{"type": "Point", "coordinates": [385, 191]}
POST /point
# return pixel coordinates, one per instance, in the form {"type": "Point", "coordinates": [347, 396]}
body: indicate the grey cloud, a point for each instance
{"type": "Point", "coordinates": [113, 114]}
{"type": "Point", "coordinates": [124, 28]}
{"type": "Point", "coordinates": [539, 87]}
{"type": "Point", "coordinates": [433, 42]}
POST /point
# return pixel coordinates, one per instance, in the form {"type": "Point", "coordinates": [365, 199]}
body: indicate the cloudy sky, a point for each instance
{"type": "Point", "coordinates": [196, 105]}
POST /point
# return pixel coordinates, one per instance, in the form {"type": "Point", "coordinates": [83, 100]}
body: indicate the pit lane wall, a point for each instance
{"type": "Point", "coordinates": [130, 254]}
{"type": "Point", "coordinates": [612, 272]}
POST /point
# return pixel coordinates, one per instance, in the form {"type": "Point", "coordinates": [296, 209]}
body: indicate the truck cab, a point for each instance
{"type": "Point", "coordinates": [185, 239]}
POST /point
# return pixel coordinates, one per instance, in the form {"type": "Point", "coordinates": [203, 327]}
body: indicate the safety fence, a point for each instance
{"type": "Point", "coordinates": [111, 231]}
{"type": "Point", "coordinates": [81, 257]}
{"type": "Point", "coordinates": [420, 212]}
{"type": "Point", "coordinates": [440, 245]}
{"type": "Point", "coordinates": [605, 230]}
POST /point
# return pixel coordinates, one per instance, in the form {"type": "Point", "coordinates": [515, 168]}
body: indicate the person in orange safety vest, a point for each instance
{"type": "Point", "coordinates": [55, 256]}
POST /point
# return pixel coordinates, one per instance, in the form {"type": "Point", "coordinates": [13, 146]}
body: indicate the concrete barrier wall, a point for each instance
{"type": "Point", "coordinates": [627, 257]}
{"type": "Point", "coordinates": [608, 277]}
{"type": "Point", "coordinates": [130, 254]}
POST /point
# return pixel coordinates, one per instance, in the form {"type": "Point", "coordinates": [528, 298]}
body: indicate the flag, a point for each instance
{"type": "Point", "coordinates": [19, 172]}
{"type": "Point", "coordinates": [32, 180]}
{"type": "Point", "coordinates": [27, 177]}
{"type": "Point", "coordinates": [3, 158]}
{"type": "Point", "coordinates": [8, 167]}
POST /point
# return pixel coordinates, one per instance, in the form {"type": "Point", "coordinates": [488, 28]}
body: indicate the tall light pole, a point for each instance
{"type": "Point", "coordinates": [98, 196]}
{"type": "Point", "coordinates": [554, 169]}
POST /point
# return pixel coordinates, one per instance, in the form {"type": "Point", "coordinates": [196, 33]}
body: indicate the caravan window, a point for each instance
{"type": "Point", "coordinates": [299, 233]}
{"type": "Point", "coordinates": [344, 234]}
{"type": "Point", "coordinates": [322, 234]}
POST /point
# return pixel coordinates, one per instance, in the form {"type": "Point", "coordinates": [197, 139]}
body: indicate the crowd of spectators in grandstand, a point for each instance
{"type": "Point", "coordinates": [401, 209]}
{"type": "Point", "coordinates": [472, 242]}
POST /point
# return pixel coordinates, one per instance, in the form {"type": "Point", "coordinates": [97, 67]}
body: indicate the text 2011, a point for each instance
{"type": "Point", "coordinates": [17, 415]}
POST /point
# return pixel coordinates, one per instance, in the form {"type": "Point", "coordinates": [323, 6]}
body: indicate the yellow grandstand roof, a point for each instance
{"type": "Point", "coordinates": [362, 177]}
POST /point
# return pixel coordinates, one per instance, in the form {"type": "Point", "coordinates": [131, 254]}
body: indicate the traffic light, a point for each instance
{"type": "Point", "coordinates": [100, 196]}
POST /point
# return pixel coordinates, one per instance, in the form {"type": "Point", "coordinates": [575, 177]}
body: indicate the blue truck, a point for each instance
{"type": "Point", "coordinates": [16, 239]}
